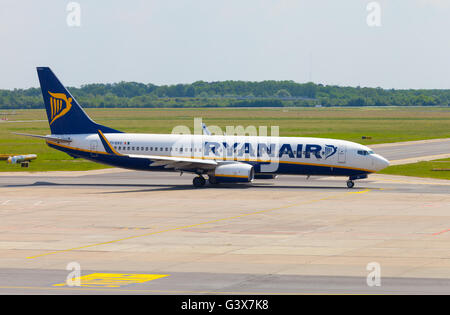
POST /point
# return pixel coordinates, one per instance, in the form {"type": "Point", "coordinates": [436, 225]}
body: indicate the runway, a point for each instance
{"type": "Point", "coordinates": [414, 151]}
{"type": "Point", "coordinates": [283, 236]}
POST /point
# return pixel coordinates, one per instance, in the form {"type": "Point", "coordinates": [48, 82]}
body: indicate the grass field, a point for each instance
{"type": "Point", "coordinates": [382, 124]}
{"type": "Point", "coordinates": [421, 169]}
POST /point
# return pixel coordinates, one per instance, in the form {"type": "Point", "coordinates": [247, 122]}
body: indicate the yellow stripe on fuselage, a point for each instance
{"type": "Point", "coordinates": [75, 149]}
{"type": "Point", "coordinates": [227, 159]}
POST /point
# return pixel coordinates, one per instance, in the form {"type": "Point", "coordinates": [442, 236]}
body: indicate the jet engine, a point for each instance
{"type": "Point", "coordinates": [232, 173]}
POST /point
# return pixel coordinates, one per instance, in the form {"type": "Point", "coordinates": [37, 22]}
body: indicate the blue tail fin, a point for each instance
{"type": "Point", "coordinates": [65, 115]}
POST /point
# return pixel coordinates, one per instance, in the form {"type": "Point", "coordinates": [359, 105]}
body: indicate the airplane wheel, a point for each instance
{"type": "Point", "coordinates": [199, 181]}
{"type": "Point", "coordinates": [350, 184]}
{"type": "Point", "coordinates": [212, 180]}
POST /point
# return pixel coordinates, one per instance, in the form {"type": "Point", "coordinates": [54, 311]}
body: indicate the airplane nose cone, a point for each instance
{"type": "Point", "coordinates": [380, 162]}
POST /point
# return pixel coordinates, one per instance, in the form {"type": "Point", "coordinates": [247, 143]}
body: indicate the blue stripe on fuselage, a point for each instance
{"type": "Point", "coordinates": [142, 164]}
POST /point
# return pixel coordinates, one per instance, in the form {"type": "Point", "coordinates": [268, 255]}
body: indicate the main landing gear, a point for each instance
{"type": "Point", "coordinates": [199, 181]}
{"type": "Point", "coordinates": [350, 183]}
{"type": "Point", "coordinates": [212, 180]}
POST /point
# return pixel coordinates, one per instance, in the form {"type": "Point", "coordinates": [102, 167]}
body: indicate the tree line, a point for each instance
{"type": "Point", "coordinates": [229, 94]}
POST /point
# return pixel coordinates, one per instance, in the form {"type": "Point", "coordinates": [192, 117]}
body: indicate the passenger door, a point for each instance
{"type": "Point", "coordinates": [93, 148]}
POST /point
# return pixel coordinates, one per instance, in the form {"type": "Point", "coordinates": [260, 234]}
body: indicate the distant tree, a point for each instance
{"type": "Point", "coordinates": [190, 91]}
{"type": "Point", "coordinates": [221, 94]}
{"type": "Point", "coordinates": [203, 94]}
{"type": "Point", "coordinates": [283, 93]}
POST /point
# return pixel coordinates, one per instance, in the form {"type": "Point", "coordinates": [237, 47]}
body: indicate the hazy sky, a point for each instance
{"type": "Point", "coordinates": [182, 41]}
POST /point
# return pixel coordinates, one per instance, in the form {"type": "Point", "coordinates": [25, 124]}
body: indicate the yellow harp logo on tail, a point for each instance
{"type": "Point", "coordinates": [59, 105]}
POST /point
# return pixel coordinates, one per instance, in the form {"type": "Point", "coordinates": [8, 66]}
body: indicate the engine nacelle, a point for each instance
{"type": "Point", "coordinates": [234, 173]}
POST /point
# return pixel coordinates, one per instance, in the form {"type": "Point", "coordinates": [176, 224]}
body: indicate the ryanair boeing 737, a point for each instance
{"type": "Point", "coordinates": [219, 158]}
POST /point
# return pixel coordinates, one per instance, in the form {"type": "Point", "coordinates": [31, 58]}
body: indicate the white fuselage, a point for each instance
{"type": "Point", "coordinates": [283, 155]}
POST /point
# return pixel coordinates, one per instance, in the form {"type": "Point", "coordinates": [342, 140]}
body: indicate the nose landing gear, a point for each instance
{"type": "Point", "coordinates": [351, 183]}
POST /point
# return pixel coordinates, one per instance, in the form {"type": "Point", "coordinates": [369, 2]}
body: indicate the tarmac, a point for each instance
{"type": "Point", "coordinates": [153, 233]}
{"type": "Point", "coordinates": [287, 236]}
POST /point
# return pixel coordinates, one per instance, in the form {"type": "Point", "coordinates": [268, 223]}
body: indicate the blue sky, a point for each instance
{"type": "Point", "coordinates": [182, 41]}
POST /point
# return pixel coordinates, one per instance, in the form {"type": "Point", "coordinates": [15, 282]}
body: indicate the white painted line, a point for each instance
{"type": "Point", "coordinates": [395, 144]}
{"type": "Point", "coordinates": [419, 159]}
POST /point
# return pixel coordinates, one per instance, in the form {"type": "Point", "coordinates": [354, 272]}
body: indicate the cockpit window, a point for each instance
{"type": "Point", "coordinates": [363, 152]}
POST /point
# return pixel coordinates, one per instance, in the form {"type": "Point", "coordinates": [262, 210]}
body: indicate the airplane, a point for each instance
{"type": "Point", "coordinates": [222, 159]}
{"type": "Point", "coordinates": [6, 114]}
{"type": "Point", "coordinates": [23, 159]}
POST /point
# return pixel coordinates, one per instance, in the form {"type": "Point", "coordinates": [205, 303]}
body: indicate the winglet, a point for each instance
{"type": "Point", "coordinates": [205, 130]}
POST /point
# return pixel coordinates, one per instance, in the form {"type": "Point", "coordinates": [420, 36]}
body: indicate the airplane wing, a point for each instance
{"type": "Point", "coordinates": [178, 163]}
{"type": "Point", "coordinates": [55, 139]}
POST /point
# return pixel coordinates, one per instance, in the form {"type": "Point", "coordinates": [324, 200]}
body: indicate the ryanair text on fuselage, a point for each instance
{"type": "Point", "coordinates": [269, 150]}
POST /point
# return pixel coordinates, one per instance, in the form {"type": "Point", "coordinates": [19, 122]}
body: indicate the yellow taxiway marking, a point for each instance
{"type": "Point", "coordinates": [112, 280]}
{"type": "Point", "coordinates": [192, 225]}
{"type": "Point", "coordinates": [360, 192]}
{"type": "Point", "coordinates": [144, 291]}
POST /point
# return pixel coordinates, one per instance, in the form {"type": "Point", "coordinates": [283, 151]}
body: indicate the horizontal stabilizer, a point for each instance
{"type": "Point", "coordinates": [51, 138]}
